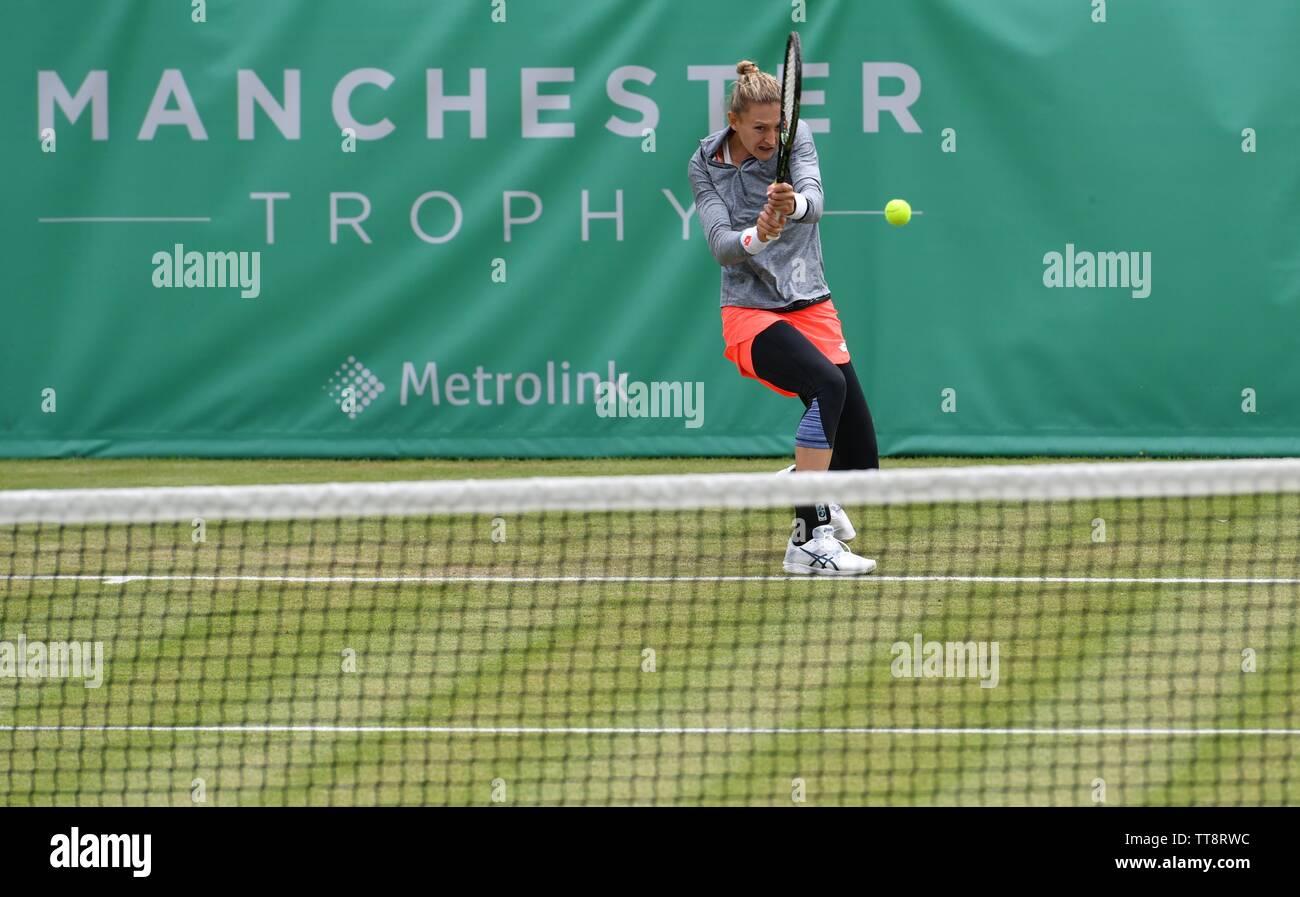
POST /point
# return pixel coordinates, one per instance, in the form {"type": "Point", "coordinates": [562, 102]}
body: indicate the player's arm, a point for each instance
{"type": "Point", "coordinates": [728, 245]}
{"type": "Point", "coordinates": [802, 198]}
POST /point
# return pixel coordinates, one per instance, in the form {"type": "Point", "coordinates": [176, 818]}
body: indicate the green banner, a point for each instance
{"type": "Point", "coordinates": [436, 227]}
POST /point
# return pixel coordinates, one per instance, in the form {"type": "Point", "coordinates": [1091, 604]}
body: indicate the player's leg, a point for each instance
{"type": "Point", "coordinates": [855, 444]}
{"type": "Point", "coordinates": [784, 357]}
{"type": "Point", "coordinates": [855, 438]}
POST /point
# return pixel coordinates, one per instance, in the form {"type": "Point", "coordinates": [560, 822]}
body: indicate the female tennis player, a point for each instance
{"type": "Point", "coordinates": [779, 325]}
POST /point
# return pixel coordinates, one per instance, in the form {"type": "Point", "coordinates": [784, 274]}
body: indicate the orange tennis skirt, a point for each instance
{"type": "Point", "coordinates": [820, 323]}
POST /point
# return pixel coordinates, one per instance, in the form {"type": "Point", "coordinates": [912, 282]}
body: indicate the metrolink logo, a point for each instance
{"type": "Point", "coordinates": [353, 387]}
{"type": "Point", "coordinates": [555, 384]}
{"type": "Point", "coordinates": [1100, 270]}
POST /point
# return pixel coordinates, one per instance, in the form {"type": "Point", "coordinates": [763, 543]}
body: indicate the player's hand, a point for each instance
{"type": "Point", "coordinates": [781, 197]}
{"type": "Point", "coordinates": [770, 222]}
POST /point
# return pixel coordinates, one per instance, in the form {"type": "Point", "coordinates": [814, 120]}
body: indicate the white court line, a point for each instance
{"type": "Point", "coordinates": [119, 220]}
{"type": "Point", "coordinates": [668, 730]}
{"type": "Point", "coordinates": [120, 578]}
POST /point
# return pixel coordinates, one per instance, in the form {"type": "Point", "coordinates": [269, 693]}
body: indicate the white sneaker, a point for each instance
{"type": "Point", "coordinates": [825, 555]}
{"type": "Point", "coordinates": [840, 520]}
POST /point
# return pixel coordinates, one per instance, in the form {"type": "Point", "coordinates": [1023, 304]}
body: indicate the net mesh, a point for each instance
{"type": "Point", "coordinates": [1057, 634]}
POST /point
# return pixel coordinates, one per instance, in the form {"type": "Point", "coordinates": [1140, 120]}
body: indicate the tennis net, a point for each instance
{"type": "Point", "coordinates": [1064, 634]}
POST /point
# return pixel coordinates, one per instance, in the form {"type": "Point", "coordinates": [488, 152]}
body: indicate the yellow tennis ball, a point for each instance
{"type": "Point", "coordinates": [898, 212]}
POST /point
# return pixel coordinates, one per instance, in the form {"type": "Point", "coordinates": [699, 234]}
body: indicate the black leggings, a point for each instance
{"type": "Point", "coordinates": [784, 357]}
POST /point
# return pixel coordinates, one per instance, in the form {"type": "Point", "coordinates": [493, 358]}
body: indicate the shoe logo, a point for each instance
{"type": "Point", "coordinates": [820, 560]}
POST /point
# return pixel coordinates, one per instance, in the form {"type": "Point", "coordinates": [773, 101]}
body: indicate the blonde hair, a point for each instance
{"type": "Point", "coordinates": [753, 87]}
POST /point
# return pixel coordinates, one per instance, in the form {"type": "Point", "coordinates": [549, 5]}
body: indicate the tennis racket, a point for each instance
{"type": "Point", "coordinates": [791, 85]}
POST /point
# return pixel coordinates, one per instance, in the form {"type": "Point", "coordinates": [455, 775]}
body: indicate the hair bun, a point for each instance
{"type": "Point", "coordinates": [745, 67]}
